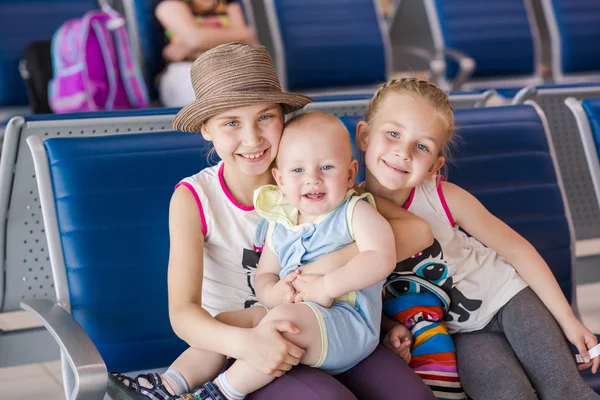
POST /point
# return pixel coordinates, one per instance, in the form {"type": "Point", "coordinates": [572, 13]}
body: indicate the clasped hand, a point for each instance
{"type": "Point", "coordinates": [296, 288]}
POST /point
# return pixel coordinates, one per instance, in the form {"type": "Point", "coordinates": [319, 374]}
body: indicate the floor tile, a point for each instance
{"type": "Point", "coordinates": [29, 382]}
{"type": "Point", "coordinates": [54, 368]}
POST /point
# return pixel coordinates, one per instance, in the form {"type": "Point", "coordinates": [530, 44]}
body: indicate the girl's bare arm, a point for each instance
{"type": "Point", "coordinates": [185, 274]}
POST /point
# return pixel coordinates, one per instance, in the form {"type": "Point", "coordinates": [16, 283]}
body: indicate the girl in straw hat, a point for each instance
{"type": "Point", "coordinates": [240, 108]}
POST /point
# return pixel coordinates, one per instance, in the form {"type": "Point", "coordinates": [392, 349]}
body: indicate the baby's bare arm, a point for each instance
{"type": "Point", "coordinates": [331, 261]}
{"type": "Point", "coordinates": [411, 235]}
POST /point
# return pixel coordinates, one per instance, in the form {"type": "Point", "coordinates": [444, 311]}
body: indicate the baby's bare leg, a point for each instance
{"type": "Point", "coordinates": [246, 379]}
{"type": "Point", "coordinates": [200, 366]}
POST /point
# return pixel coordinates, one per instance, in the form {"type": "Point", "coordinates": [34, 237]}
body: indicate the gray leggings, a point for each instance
{"type": "Point", "coordinates": [521, 354]}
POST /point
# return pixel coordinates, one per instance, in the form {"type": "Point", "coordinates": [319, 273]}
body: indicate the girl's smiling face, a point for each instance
{"type": "Point", "coordinates": [403, 144]}
{"type": "Point", "coordinates": [246, 138]}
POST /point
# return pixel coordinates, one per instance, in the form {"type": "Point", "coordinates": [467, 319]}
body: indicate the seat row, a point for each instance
{"type": "Point", "coordinates": [97, 239]}
{"type": "Point", "coordinates": [344, 46]}
{"type": "Point", "coordinates": [25, 257]}
{"type": "Point", "coordinates": [504, 44]}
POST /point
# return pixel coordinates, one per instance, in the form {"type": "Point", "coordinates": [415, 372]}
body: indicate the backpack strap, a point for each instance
{"type": "Point", "coordinates": [131, 75]}
{"type": "Point", "coordinates": [105, 40]}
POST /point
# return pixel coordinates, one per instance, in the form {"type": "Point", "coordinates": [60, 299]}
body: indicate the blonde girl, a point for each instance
{"type": "Point", "coordinates": [511, 341]}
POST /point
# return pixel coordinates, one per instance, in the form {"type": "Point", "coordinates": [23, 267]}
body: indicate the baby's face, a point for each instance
{"type": "Point", "coordinates": [315, 168]}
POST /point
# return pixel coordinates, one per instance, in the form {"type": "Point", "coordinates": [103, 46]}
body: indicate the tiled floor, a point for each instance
{"type": "Point", "coordinates": [34, 381]}
{"type": "Point", "coordinates": [43, 381]}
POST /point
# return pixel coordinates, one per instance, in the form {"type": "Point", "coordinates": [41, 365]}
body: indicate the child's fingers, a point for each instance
{"type": "Point", "coordinates": [582, 349]}
{"type": "Point", "coordinates": [387, 342]}
{"type": "Point", "coordinates": [393, 339]}
{"type": "Point", "coordinates": [301, 278]}
{"type": "Point", "coordinates": [289, 297]}
{"type": "Point", "coordinates": [292, 288]}
{"type": "Point", "coordinates": [583, 367]}
{"type": "Point", "coordinates": [289, 278]}
{"type": "Point", "coordinates": [590, 343]}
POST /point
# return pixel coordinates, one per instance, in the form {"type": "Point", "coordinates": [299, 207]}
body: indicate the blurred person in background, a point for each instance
{"type": "Point", "coordinates": [191, 28]}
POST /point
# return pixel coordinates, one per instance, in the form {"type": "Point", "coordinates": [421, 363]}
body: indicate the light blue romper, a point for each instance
{"type": "Point", "coordinates": [350, 327]}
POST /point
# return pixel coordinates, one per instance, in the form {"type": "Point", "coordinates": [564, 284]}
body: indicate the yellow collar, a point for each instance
{"type": "Point", "coordinates": [272, 205]}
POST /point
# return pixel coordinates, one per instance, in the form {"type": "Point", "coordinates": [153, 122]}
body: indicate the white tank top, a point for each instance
{"type": "Point", "coordinates": [230, 259]}
{"type": "Point", "coordinates": [478, 280]}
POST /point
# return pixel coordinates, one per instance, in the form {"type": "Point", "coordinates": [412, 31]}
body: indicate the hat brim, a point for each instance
{"type": "Point", "coordinates": [191, 117]}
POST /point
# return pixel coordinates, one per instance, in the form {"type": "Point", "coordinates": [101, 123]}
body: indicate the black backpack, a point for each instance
{"type": "Point", "coordinates": [36, 70]}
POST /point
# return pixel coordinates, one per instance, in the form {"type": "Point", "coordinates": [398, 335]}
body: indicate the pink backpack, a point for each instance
{"type": "Point", "coordinates": [93, 66]}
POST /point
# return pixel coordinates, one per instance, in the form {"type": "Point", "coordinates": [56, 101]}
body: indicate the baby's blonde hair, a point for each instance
{"type": "Point", "coordinates": [420, 89]}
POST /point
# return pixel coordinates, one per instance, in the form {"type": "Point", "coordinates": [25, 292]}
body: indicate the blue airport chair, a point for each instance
{"type": "Point", "coordinates": [574, 36]}
{"type": "Point", "coordinates": [570, 155]}
{"type": "Point", "coordinates": [24, 265]}
{"type": "Point", "coordinates": [105, 202]}
{"type": "Point", "coordinates": [587, 116]}
{"type": "Point", "coordinates": [495, 44]}
{"type": "Point", "coordinates": [328, 47]}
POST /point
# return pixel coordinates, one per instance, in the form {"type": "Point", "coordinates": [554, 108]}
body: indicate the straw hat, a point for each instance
{"type": "Point", "coordinates": [230, 76]}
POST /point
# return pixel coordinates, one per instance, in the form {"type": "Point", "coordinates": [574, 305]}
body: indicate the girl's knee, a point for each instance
{"type": "Point", "coordinates": [498, 383]}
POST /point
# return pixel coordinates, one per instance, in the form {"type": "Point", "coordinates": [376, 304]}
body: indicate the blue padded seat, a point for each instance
{"type": "Point", "coordinates": [496, 34]}
{"type": "Point", "coordinates": [503, 159]}
{"type": "Point", "coordinates": [112, 202]}
{"type": "Point", "coordinates": [508, 93]}
{"type": "Point", "coordinates": [505, 92]}
{"type": "Point", "coordinates": [342, 97]}
{"type": "Point", "coordinates": [329, 44]}
{"type": "Point", "coordinates": [592, 109]}
{"type": "Point", "coordinates": [368, 96]}
{"type": "Point", "coordinates": [579, 33]}
{"type": "Point", "coordinates": [23, 22]}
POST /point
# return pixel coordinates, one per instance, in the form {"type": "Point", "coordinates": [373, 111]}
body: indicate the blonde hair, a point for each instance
{"type": "Point", "coordinates": [421, 89]}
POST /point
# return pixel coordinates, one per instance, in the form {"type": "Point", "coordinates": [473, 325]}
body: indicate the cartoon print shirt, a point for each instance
{"type": "Point", "coordinates": [478, 280]}
{"type": "Point", "coordinates": [230, 259]}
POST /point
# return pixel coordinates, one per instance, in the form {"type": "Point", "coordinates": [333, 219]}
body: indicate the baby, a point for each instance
{"type": "Point", "coordinates": [312, 212]}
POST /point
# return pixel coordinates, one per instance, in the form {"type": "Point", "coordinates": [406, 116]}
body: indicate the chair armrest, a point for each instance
{"type": "Point", "coordinates": [466, 66]}
{"type": "Point", "coordinates": [437, 67]}
{"type": "Point", "coordinates": [90, 374]}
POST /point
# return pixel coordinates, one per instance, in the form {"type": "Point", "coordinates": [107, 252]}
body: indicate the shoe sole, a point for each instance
{"type": "Point", "coordinates": [118, 391]}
